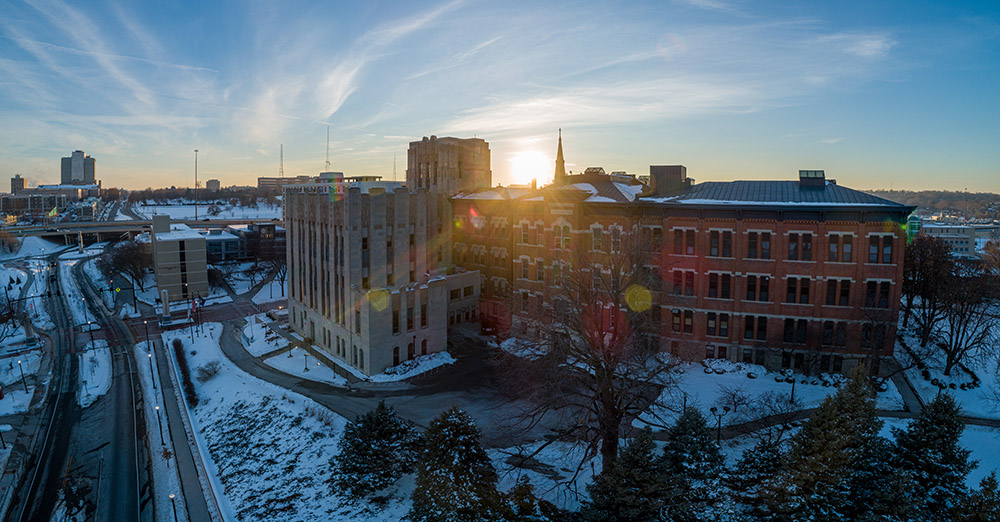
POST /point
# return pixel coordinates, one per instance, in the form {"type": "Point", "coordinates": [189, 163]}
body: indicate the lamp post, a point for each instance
{"type": "Point", "coordinates": [151, 376]}
{"type": "Point", "coordinates": [196, 184]}
{"type": "Point", "coordinates": [718, 420]}
{"type": "Point", "coordinates": [305, 361]}
{"type": "Point", "coordinates": [174, 504]}
{"type": "Point", "coordinates": [90, 326]}
{"type": "Point", "coordinates": [160, 423]}
{"type": "Point", "coordinates": [791, 379]}
{"type": "Point", "coordinates": [3, 442]}
{"type": "Point", "coordinates": [23, 381]}
{"type": "Point", "coordinates": [145, 323]}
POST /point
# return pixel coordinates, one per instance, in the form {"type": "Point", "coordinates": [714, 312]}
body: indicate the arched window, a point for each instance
{"type": "Point", "coordinates": [361, 358]}
{"type": "Point", "coordinates": [423, 347]}
{"type": "Point", "coordinates": [410, 351]}
{"type": "Point", "coordinates": [395, 356]}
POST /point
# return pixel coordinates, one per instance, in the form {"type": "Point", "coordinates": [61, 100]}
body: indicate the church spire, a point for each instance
{"type": "Point", "coordinates": [560, 163]}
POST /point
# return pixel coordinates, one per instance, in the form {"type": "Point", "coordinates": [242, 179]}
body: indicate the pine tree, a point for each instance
{"type": "Point", "coordinates": [375, 450]}
{"type": "Point", "coordinates": [456, 481]}
{"type": "Point", "coordinates": [522, 502]}
{"type": "Point", "coordinates": [751, 472]}
{"type": "Point", "coordinates": [632, 489]}
{"type": "Point", "coordinates": [692, 465]}
{"type": "Point", "coordinates": [928, 451]}
{"type": "Point", "coordinates": [835, 446]}
{"type": "Point", "coordinates": [983, 505]}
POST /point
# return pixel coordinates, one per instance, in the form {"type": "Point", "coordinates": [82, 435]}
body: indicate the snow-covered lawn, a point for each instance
{"type": "Point", "coordinates": [100, 283]}
{"type": "Point", "coordinates": [12, 279]}
{"type": "Point", "coordinates": [300, 363]}
{"type": "Point", "coordinates": [271, 292]}
{"type": "Point", "coordinates": [549, 471]}
{"type": "Point", "coordinates": [271, 448]}
{"type": "Point", "coordinates": [704, 386]}
{"type": "Point", "coordinates": [16, 400]}
{"type": "Point", "coordinates": [74, 297]}
{"type": "Point", "coordinates": [34, 246]}
{"type": "Point", "coordinates": [95, 372]}
{"type": "Point", "coordinates": [414, 367]}
{"type": "Point", "coordinates": [262, 211]}
{"type": "Point", "coordinates": [979, 402]}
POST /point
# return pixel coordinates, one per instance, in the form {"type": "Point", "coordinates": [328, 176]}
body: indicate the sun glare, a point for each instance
{"type": "Point", "coordinates": [527, 165]}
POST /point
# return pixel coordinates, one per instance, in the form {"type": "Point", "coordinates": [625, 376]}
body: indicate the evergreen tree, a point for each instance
{"type": "Point", "coordinates": [632, 489]}
{"type": "Point", "coordinates": [692, 465]}
{"type": "Point", "coordinates": [983, 505]}
{"type": "Point", "coordinates": [828, 461]}
{"type": "Point", "coordinates": [522, 503]}
{"type": "Point", "coordinates": [928, 452]}
{"type": "Point", "coordinates": [456, 481]}
{"type": "Point", "coordinates": [751, 472]}
{"type": "Point", "coordinates": [375, 450]}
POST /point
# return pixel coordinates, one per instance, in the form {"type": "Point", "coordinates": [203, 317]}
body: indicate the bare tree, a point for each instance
{"type": "Point", "coordinates": [926, 267]}
{"type": "Point", "coordinates": [967, 331]}
{"type": "Point", "coordinates": [600, 366]}
{"type": "Point", "coordinates": [9, 318]}
{"type": "Point", "coordinates": [128, 258]}
{"type": "Point", "coordinates": [279, 267]}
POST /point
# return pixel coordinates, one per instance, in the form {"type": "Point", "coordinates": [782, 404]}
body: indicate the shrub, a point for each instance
{"type": "Point", "coordinates": [182, 364]}
{"type": "Point", "coordinates": [205, 372]}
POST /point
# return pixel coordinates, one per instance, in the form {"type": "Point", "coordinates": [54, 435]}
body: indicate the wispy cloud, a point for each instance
{"type": "Point", "coordinates": [113, 56]}
{"type": "Point", "coordinates": [831, 141]}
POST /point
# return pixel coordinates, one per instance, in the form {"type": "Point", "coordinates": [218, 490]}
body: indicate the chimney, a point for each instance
{"type": "Point", "coordinates": [667, 179]}
{"type": "Point", "coordinates": [812, 178]}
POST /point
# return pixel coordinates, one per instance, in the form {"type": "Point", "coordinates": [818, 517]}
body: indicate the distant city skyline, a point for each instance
{"type": "Point", "coordinates": [880, 95]}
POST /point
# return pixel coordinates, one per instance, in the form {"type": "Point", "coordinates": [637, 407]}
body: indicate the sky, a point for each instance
{"type": "Point", "coordinates": [888, 94]}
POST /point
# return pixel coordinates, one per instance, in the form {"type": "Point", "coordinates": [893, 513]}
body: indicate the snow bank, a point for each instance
{"type": "Point", "coordinates": [34, 246]}
{"type": "Point", "coordinates": [258, 339]}
{"type": "Point", "coordinates": [36, 307]}
{"type": "Point", "coordinates": [300, 363]}
{"type": "Point", "coordinates": [414, 367]}
{"type": "Point", "coordinates": [95, 372]}
{"type": "Point", "coordinates": [16, 399]}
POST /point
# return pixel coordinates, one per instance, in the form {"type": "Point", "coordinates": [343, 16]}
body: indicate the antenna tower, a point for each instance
{"type": "Point", "coordinates": [328, 148]}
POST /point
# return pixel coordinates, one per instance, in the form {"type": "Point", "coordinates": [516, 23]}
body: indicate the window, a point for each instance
{"type": "Point", "coordinates": [800, 247]}
{"type": "Point", "coordinates": [423, 315]}
{"type": "Point", "coordinates": [759, 323]}
{"type": "Point", "coordinates": [840, 248]}
{"type": "Point", "coordinates": [719, 285]}
{"type": "Point", "coordinates": [827, 333]}
{"type": "Point", "coordinates": [710, 352]}
{"type": "Point", "coordinates": [688, 321]}
{"type": "Point", "coordinates": [835, 298]}
{"type": "Point", "coordinates": [798, 290]}
{"type": "Point", "coordinates": [801, 331]}
{"type": "Point", "coordinates": [710, 325]}
{"type": "Point", "coordinates": [683, 321]}
{"type": "Point", "coordinates": [877, 295]}
{"type": "Point", "coordinates": [757, 288]}
{"type": "Point", "coordinates": [748, 355]}
{"type": "Point", "coordinates": [684, 242]}
{"type": "Point", "coordinates": [683, 282]}
{"type": "Point", "coordinates": [524, 269]}
{"type": "Point", "coordinates": [409, 318]}
{"type": "Point", "coordinates": [676, 319]}
{"type": "Point", "coordinates": [727, 244]}
{"type": "Point", "coordinates": [524, 234]}
{"type": "Point", "coordinates": [539, 270]}
{"type": "Point", "coordinates": [717, 325]}
{"type": "Point", "coordinates": [395, 321]}
{"type": "Point", "coordinates": [723, 325]}
{"type": "Point", "coordinates": [720, 244]}
{"type": "Point", "coordinates": [759, 245]}
{"type": "Point", "coordinates": [880, 245]}
{"type": "Point", "coordinates": [807, 243]}
{"type": "Point", "coordinates": [616, 239]}
{"type": "Point", "coordinates": [598, 241]}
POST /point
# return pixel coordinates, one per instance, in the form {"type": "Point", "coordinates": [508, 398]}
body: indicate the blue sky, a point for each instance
{"type": "Point", "coordinates": [890, 93]}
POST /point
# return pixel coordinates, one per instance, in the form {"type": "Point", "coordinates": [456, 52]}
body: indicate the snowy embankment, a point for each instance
{"type": "Point", "coordinates": [95, 372]}
{"type": "Point", "coordinates": [717, 381]}
{"type": "Point", "coordinates": [100, 283]}
{"type": "Point", "coordinates": [414, 367]}
{"type": "Point", "coordinates": [271, 292]}
{"type": "Point", "coordinates": [270, 448]}
{"type": "Point", "coordinates": [258, 338]}
{"type": "Point", "coordinates": [74, 297]}
{"type": "Point", "coordinates": [34, 246]}
{"type": "Point", "coordinates": [39, 285]}
{"type": "Point", "coordinates": [16, 399]}
{"type": "Point", "coordinates": [977, 400]}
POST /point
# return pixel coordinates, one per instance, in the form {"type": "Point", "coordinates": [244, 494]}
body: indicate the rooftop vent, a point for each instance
{"type": "Point", "coordinates": [812, 178]}
{"type": "Point", "coordinates": [594, 170]}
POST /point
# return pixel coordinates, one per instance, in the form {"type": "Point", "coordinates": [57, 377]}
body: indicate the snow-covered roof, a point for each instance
{"type": "Point", "coordinates": [178, 232]}
{"type": "Point", "coordinates": [774, 193]}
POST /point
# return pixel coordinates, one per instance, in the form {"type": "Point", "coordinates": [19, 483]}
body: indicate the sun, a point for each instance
{"type": "Point", "coordinates": [527, 165]}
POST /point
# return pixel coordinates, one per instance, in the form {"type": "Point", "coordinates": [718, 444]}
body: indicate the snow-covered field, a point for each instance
{"type": "Point", "coordinates": [703, 386]}
{"type": "Point", "coordinates": [300, 363]}
{"type": "Point", "coordinates": [95, 372]}
{"type": "Point", "coordinates": [415, 367]}
{"type": "Point", "coordinates": [262, 211]}
{"type": "Point", "coordinates": [271, 448]}
{"type": "Point", "coordinates": [34, 246]}
{"type": "Point", "coordinates": [16, 400]}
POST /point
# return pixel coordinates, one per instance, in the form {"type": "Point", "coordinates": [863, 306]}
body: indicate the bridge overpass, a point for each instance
{"type": "Point", "coordinates": [97, 231]}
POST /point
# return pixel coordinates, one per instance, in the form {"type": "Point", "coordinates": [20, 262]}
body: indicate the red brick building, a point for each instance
{"type": "Point", "coordinates": [800, 274]}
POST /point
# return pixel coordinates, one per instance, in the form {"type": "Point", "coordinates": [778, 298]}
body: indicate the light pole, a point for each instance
{"type": "Point", "coordinates": [145, 323]}
{"type": "Point", "coordinates": [791, 379]}
{"type": "Point", "coordinates": [3, 442]}
{"type": "Point", "coordinates": [718, 419]}
{"type": "Point", "coordinates": [24, 382]}
{"type": "Point", "coordinates": [305, 361]}
{"type": "Point", "coordinates": [151, 376]}
{"type": "Point", "coordinates": [90, 326]}
{"type": "Point", "coordinates": [160, 423]}
{"type": "Point", "coordinates": [174, 504]}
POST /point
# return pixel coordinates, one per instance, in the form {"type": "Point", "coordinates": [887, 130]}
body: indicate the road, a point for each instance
{"type": "Point", "coordinates": [84, 457]}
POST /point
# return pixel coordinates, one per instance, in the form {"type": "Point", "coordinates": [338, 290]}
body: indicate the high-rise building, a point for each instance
{"type": "Point", "coordinates": [448, 165]}
{"type": "Point", "coordinates": [213, 185]}
{"type": "Point", "coordinates": [16, 184]}
{"type": "Point", "coordinates": [78, 169]}
{"type": "Point", "coordinates": [179, 260]}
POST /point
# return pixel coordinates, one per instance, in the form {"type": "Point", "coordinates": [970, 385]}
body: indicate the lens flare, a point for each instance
{"type": "Point", "coordinates": [638, 298]}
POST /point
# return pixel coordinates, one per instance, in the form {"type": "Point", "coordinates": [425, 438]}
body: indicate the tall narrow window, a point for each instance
{"type": "Point", "coordinates": [848, 243]}
{"type": "Point", "coordinates": [793, 247]}
{"type": "Point", "coordinates": [807, 244]}
{"type": "Point", "coordinates": [727, 244]}
{"type": "Point", "coordinates": [752, 245]}
{"type": "Point", "coordinates": [713, 243]}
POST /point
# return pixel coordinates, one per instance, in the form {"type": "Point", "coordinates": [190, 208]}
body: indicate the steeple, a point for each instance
{"type": "Point", "coordinates": [560, 163]}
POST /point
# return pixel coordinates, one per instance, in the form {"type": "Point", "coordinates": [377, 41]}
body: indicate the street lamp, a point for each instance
{"type": "Point", "coordinates": [791, 379]}
{"type": "Point", "coordinates": [145, 323]}
{"type": "Point", "coordinates": [174, 504]}
{"type": "Point", "coordinates": [91, 328]}
{"type": "Point", "coordinates": [305, 361]}
{"type": "Point", "coordinates": [718, 419]}
{"type": "Point", "coordinates": [160, 423]}
{"type": "Point", "coordinates": [24, 382]}
{"type": "Point", "coordinates": [151, 376]}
